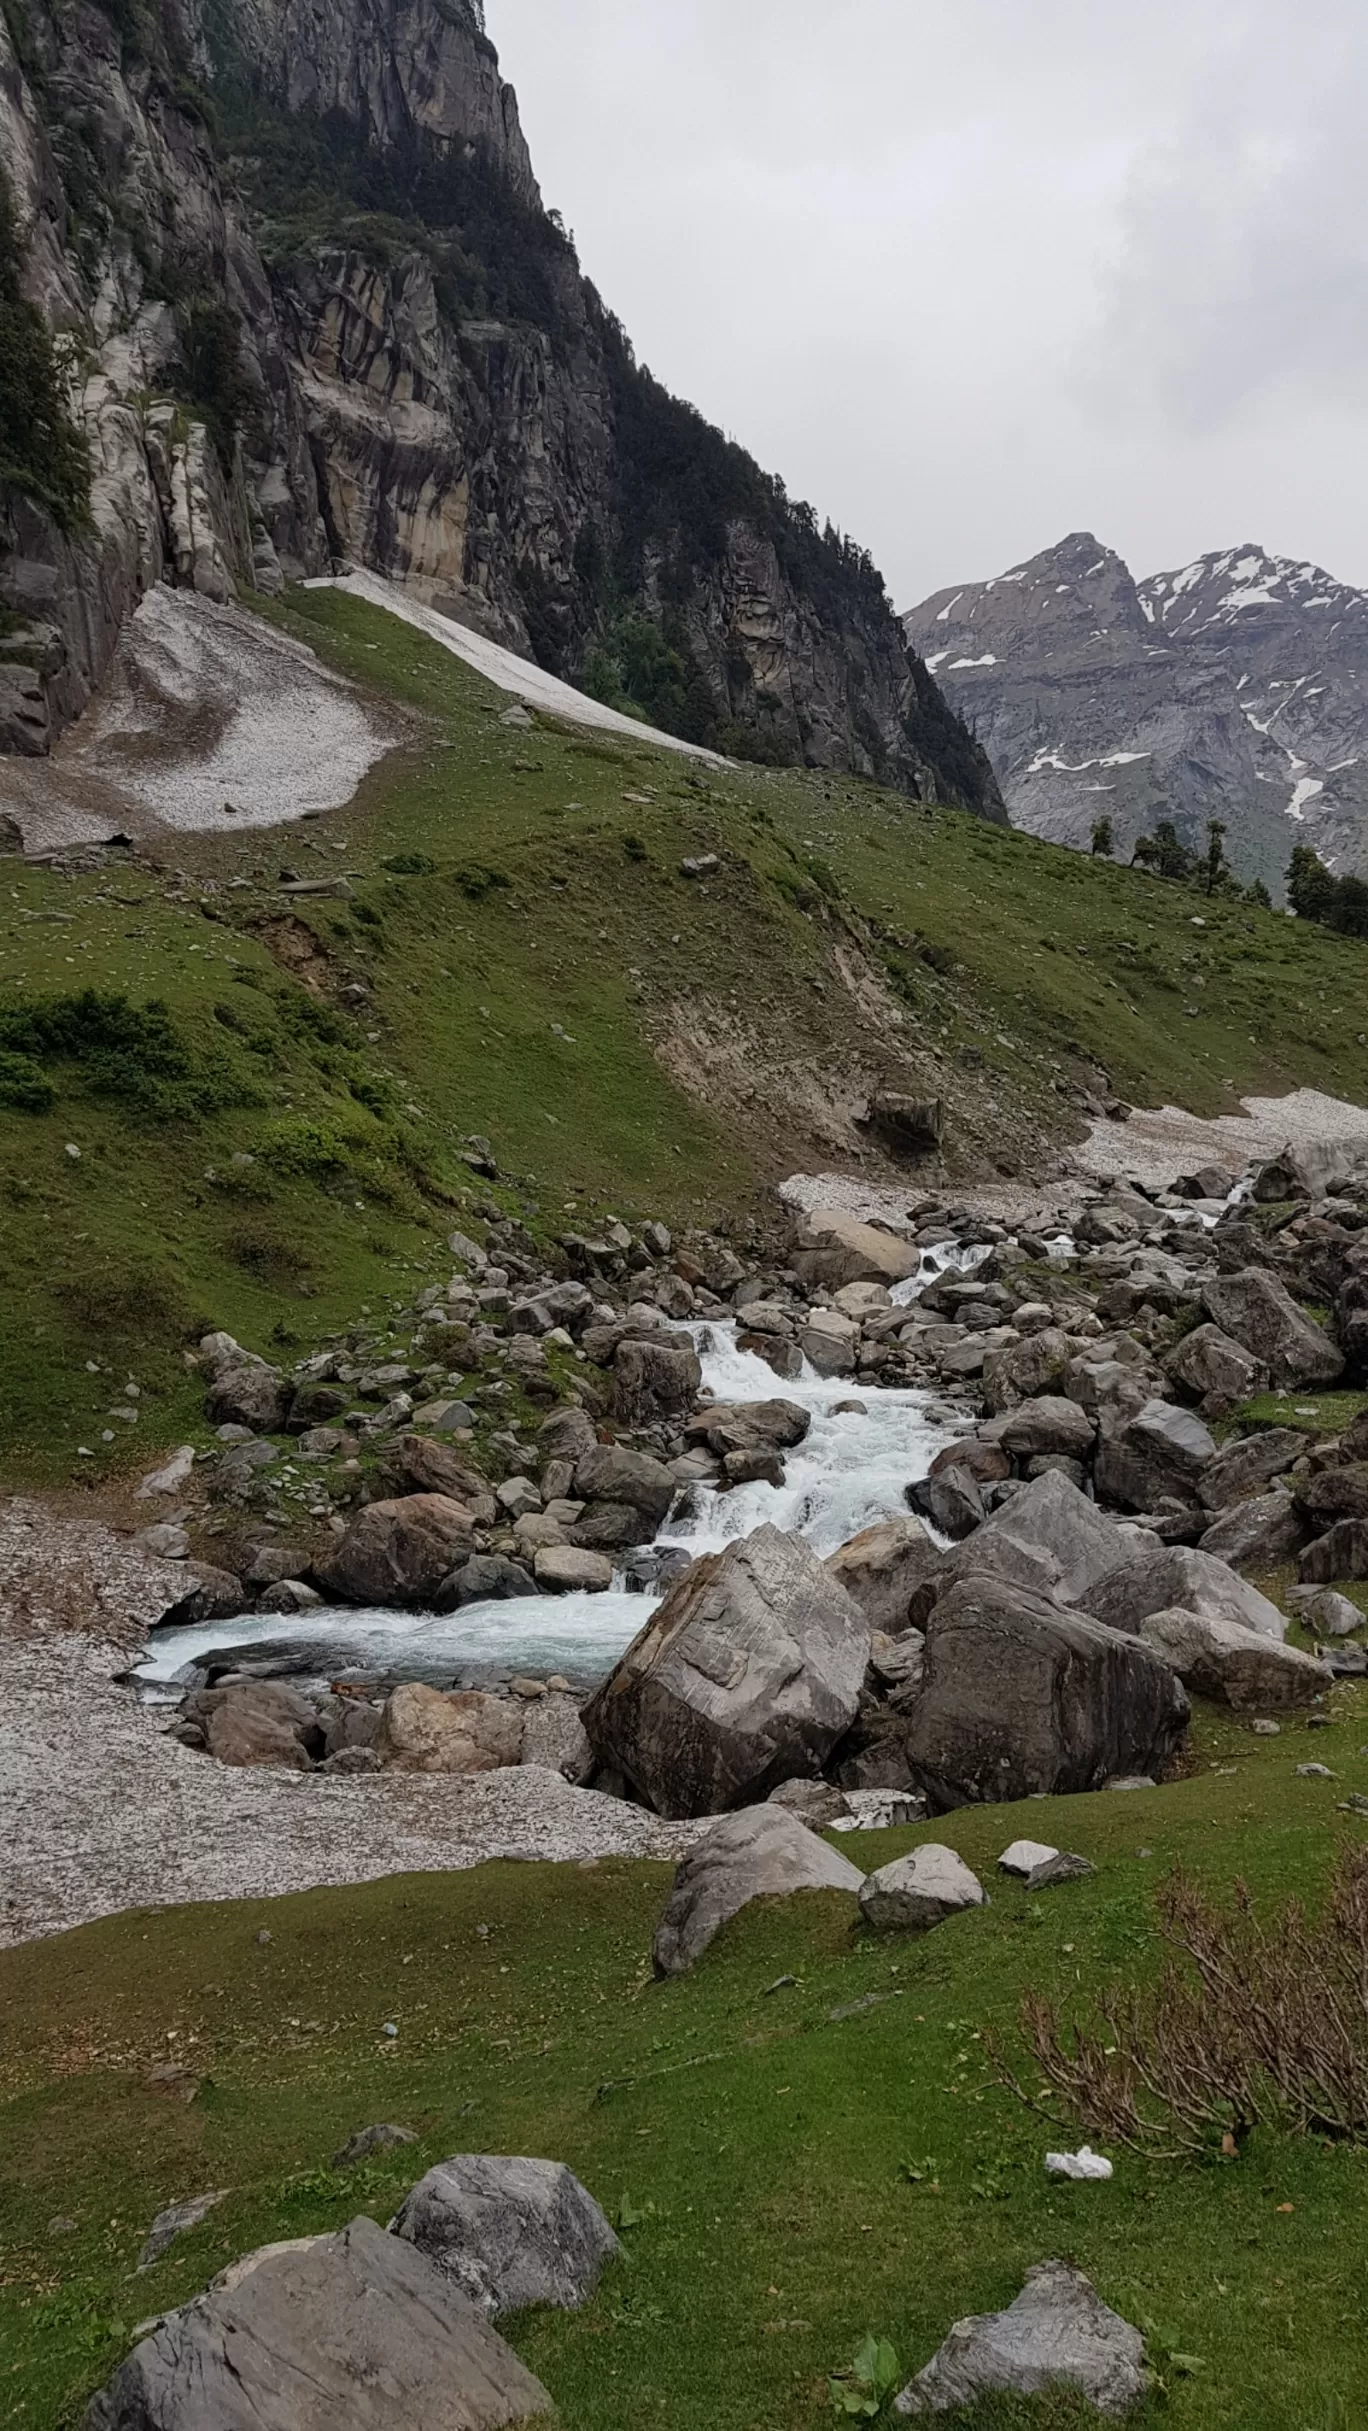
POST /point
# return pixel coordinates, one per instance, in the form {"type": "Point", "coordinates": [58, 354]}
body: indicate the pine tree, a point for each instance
{"type": "Point", "coordinates": [1217, 867]}
{"type": "Point", "coordinates": [1103, 841]}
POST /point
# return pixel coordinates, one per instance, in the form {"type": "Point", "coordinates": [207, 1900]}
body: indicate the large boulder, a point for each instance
{"type": "Point", "coordinates": [1024, 1371]}
{"type": "Point", "coordinates": [1236, 1666]}
{"type": "Point", "coordinates": [881, 1567]}
{"type": "Point", "coordinates": [428, 1730]}
{"type": "Point", "coordinates": [1049, 1537]}
{"type": "Point", "coordinates": [762, 1853]}
{"type": "Point", "coordinates": [834, 1248]}
{"type": "Point", "coordinates": [1050, 1424]}
{"type": "Point", "coordinates": [1155, 1576]}
{"type": "Point", "coordinates": [433, 1468]}
{"type": "Point", "coordinates": [1160, 1453]}
{"type": "Point", "coordinates": [729, 1425]}
{"type": "Point", "coordinates": [1340, 1493]}
{"type": "Point", "coordinates": [919, 1890]}
{"type": "Point", "coordinates": [350, 2332]}
{"type": "Point", "coordinates": [252, 1395]}
{"type": "Point", "coordinates": [252, 1722]}
{"type": "Point", "coordinates": [1057, 2333]}
{"type": "Point", "coordinates": [1021, 1698]}
{"type": "Point", "coordinates": [1248, 1464]}
{"type": "Point", "coordinates": [627, 1481]}
{"type": "Point", "coordinates": [830, 1342]}
{"type": "Point", "coordinates": [399, 1552]}
{"type": "Point", "coordinates": [1257, 1534]}
{"type": "Point", "coordinates": [655, 1380]}
{"type": "Point", "coordinates": [1217, 1371]}
{"type": "Point", "coordinates": [745, 1676]}
{"type": "Point", "coordinates": [1259, 1312]}
{"type": "Point", "coordinates": [1342, 1553]}
{"type": "Point", "coordinates": [508, 2233]}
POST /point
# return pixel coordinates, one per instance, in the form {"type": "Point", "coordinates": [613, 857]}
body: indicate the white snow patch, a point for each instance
{"type": "Point", "coordinates": [943, 614]}
{"type": "Point", "coordinates": [1304, 791]}
{"type": "Point", "coordinates": [988, 660]}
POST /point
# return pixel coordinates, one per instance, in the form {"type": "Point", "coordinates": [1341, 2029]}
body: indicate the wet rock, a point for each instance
{"type": "Point", "coordinates": [508, 2233]}
{"type": "Point", "coordinates": [747, 1675]}
{"type": "Point", "coordinates": [1021, 1697]}
{"type": "Point", "coordinates": [570, 1569]}
{"type": "Point", "coordinates": [830, 1342]}
{"type": "Point", "coordinates": [216, 1595]}
{"type": "Point", "coordinates": [764, 1852]}
{"type": "Point", "coordinates": [655, 1380]}
{"type": "Point", "coordinates": [485, 1578]}
{"type": "Point", "coordinates": [351, 2332]}
{"type": "Point", "coordinates": [252, 1722]}
{"type": "Point", "coordinates": [1058, 2331]}
{"type": "Point", "coordinates": [399, 1552]}
{"type": "Point", "coordinates": [629, 1480]}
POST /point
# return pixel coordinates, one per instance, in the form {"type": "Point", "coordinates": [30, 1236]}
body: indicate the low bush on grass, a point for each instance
{"type": "Point", "coordinates": [135, 1053]}
{"type": "Point", "coordinates": [1253, 2023]}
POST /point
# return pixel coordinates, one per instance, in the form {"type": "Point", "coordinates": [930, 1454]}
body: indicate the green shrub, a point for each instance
{"type": "Point", "coordinates": [409, 865]}
{"type": "Point", "coordinates": [133, 1053]}
{"type": "Point", "coordinates": [476, 880]}
{"type": "Point", "coordinates": [295, 1146]}
{"type": "Point", "coordinates": [23, 1085]}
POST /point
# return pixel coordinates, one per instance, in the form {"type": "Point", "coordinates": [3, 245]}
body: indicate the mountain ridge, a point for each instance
{"type": "Point", "coordinates": [313, 311]}
{"type": "Point", "coordinates": [1235, 687]}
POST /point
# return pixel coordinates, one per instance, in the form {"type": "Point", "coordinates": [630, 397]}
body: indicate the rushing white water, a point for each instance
{"type": "Point", "coordinates": [850, 1471]}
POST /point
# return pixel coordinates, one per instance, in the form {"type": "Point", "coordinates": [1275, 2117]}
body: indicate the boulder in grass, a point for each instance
{"type": "Point", "coordinates": [508, 2233]}
{"type": "Point", "coordinates": [1157, 1577]}
{"type": "Point", "coordinates": [1247, 1465]}
{"type": "Point", "coordinates": [399, 1552]}
{"type": "Point", "coordinates": [1233, 1665]}
{"type": "Point", "coordinates": [920, 1890]}
{"type": "Point", "coordinates": [350, 2332]}
{"type": "Point", "coordinates": [254, 1396]}
{"type": "Point", "coordinates": [1342, 1553]}
{"type": "Point", "coordinates": [745, 1676]}
{"type": "Point", "coordinates": [1257, 1534]}
{"type": "Point", "coordinates": [1022, 1697]}
{"type": "Point", "coordinates": [1057, 2334]}
{"type": "Point", "coordinates": [1259, 1312]}
{"type": "Point", "coordinates": [1218, 1372]}
{"type": "Point", "coordinates": [762, 1853]}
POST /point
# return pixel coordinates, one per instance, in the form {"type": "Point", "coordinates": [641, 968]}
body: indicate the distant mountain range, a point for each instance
{"type": "Point", "coordinates": [1236, 688]}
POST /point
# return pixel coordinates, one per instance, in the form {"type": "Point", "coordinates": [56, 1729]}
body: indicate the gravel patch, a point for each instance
{"type": "Point", "coordinates": [100, 1811]}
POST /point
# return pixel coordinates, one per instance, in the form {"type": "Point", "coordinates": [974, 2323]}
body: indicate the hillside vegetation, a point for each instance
{"type": "Point", "coordinates": [225, 1106]}
{"type": "Point", "coordinates": [803, 2141]}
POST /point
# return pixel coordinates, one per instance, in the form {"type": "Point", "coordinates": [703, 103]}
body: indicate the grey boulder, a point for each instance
{"type": "Point", "coordinates": [1257, 1534]}
{"type": "Point", "coordinates": [881, 1568]}
{"type": "Point", "coordinates": [1049, 1537]}
{"type": "Point", "coordinates": [400, 1552]}
{"type": "Point", "coordinates": [919, 1890]}
{"type": "Point", "coordinates": [762, 1853]}
{"type": "Point", "coordinates": [1216, 1371]}
{"type": "Point", "coordinates": [508, 2232]}
{"type": "Point", "coordinates": [745, 1676]}
{"type": "Point", "coordinates": [1162, 1451]}
{"type": "Point", "coordinates": [1234, 1665]}
{"type": "Point", "coordinates": [350, 2332]}
{"type": "Point", "coordinates": [1155, 1577]}
{"type": "Point", "coordinates": [1249, 1464]}
{"type": "Point", "coordinates": [655, 1380]}
{"type": "Point", "coordinates": [1057, 2333]}
{"type": "Point", "coordinates": [1023, 1697]}
{"type": "Point", "coordinates": [1259, 1312]}
{"type": "Point", "coordinates": [1050, 1424]}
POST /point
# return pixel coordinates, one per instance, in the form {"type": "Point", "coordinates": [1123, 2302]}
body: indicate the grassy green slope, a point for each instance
{"type": "Point", "coordinates": [521, 957]}
{"type": "Point", "coordinates": [759, 2136]}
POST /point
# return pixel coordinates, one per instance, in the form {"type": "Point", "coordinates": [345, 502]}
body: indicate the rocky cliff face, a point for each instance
{"type": "Point", "coordinates": [312, 310]}
{"type": "Point", "coordinates": [1235, 689]}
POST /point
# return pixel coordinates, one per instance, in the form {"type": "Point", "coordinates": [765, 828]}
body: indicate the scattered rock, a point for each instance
{"type": "Point", "coordinates": [764, 1852]}
{"type": "Point", "coordinates": [508, 2233]}
{"type": "Point", "coordinates": [1057, 2330]}
{"type": "Point", "coordinates": [920, 1890]}
{"type": "Point", "coordinates": [1259, 1312]}
{"type": "Point", "coordinates": [881, 1568]}
{"type": "Point", "coordinates": [367, 2140]}
{"type": "Point", "coordinates": [427, 1730]}
{"type": "Point", "coordinates": [174, 2222]}
{"type": "Point", "coordinates": [399, 1552]}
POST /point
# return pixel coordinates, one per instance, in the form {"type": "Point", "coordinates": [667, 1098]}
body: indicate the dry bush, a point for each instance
{"type": "Point", "coordinates": [1251, 2022]}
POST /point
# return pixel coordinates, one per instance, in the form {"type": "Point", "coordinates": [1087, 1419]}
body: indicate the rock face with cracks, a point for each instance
{"type": "Point", "coordinates": [349, 2332]}
{"type": "Point", "coordinates": [1022, 1697]}
{"type": "Point", "coordinates": [1236, 1666]}
{"type": "Point", "coordinates": [765, 1852]}
{"type": "Point", "coordinates": [507, 2232]}
{"type": "Point", "coordinates": [746, 1675]}
{"type": "Point", "coordinates": [1259, 1313]}
{"type": "Point", "coordinates": [1057, 2333]}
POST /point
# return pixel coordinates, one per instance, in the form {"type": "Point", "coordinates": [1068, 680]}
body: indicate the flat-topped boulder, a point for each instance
{"type": "Point", "coordinates": [833, 1248]}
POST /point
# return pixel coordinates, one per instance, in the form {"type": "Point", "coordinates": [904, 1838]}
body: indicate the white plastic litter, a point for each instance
{"type": "Point", "coordinates": [1085, 2163]}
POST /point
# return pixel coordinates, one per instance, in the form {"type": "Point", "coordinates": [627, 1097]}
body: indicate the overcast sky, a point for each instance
{"type": "Point", "coordinates": [972, 274]}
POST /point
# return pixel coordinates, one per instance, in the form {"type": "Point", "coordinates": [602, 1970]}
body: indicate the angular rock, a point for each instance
{"type": "Point", "coordinates": [746, 1676]}
{"type": "Point", "coordinates": [1257, 1534]}
{"type": "Point", "coordinates": [1215, 1369]}
{"type": "Point", "coordinates": [215, 1595]}
{"type": "Point", "coordinates": [366, 2140]}
{"type": "Point", "coordinates": [253, 1396]}
{"type": "Point", "coordinates": [1259, 1312]}
{"type": "Point", "coordinates": [919, 1890]}
{"type": "Point", "coordinates": [655, 1380]}
{"type": "Point", "coordinates": [834, 1249]}
{"type": "Point", "coordinates": [566, 1435]}
{"type": "Point", "coordinates": [174, 2222]}
{"type": "Point", "coordinates": [1341, 1553]}
{"type": "Point", "coordinates": [1176, 1576]}
{"type": "Point", "coordinates": [350, 2332]}
{"type": "Point", "coordinates": [610, 1474]}
{"type": "Point", "coordinates": [1024, 1371]}
{"type": "Point", "coordinates": [1049, 1537]}
{"type": "Point", "coordinates": [399, 1552]}
{"type": "Point", "coordinates": [1163, 1451]}
{"type": "Point", "coordinates": [508, 2233]}
{"type": "Point", "coordinates": [1025, 1857]}
{"type": "Point", "coordinates": [1050, 1424]}
{"type": "Point", "coordinates": [1248, 1464]}
{"type": "Point", "coordinates": [1329, 1614]}
{"type": "Point", "coordinates": [485, 1579]}
{"type": "Point", "coordinates": [255, 1722]}
{"type": "Point", "coordinates": [433, 1468]}
{"type": "Point", "coordinates": [1340, 1493]}
{"type": "Point", "coordinates": [815, 1803]}
{"type": "Point", "coordinates": [762, 1853]}
{"type": "Point", "coordinates": [882, 1566]}
{"type": "Point", "coordinates": [1236, 1666]}
{"type": "Point", "coordinates": [954, 1500]}
{"type": "Point", "coordinates": [554, 1735]}
{"type": "Point", "coordinates": [1021, 1697]}
{"type": "Point", "coordinates": [1058, 2331]}
{"type": "Point", "coordinates": [427, 1730]}
{"type": "Point", "coordinates": [830, 1343]}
